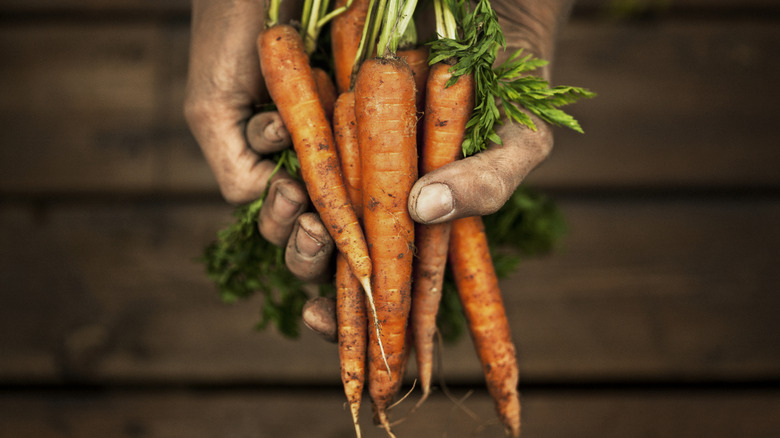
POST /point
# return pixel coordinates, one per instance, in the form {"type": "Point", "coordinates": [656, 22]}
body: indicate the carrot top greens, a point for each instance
{"type": "Point", "coordinates": [475, 52]}
{"type": "Point", "coordinates": [241, 262]}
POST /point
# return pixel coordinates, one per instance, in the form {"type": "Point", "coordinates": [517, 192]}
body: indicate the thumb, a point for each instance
{"type": "Point", "coordinates": [480, 184]}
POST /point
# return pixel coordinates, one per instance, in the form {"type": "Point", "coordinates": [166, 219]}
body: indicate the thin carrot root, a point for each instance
{"type": "Point", "coordinates": [447, 110]}
{"type": "Point", "coordinates": [480, 295]}
{"type": "Point", "coordinates": [385, 423]}
{"type": "Point", "coordinates": [292, 87]}
{"type": "Point", "coordinates": [352, 326]}
{"type": "Point", "coordinates": [354, 409]}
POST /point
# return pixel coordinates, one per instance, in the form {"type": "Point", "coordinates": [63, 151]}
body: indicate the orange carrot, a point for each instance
{"type": "Point", "coordinates": [447, 110]}
{"type": "Point", "coordinates": [352, 326]}
{"type": "Point", "coordinates": [345, 32]}
{"type": "Point", "coordinates": [291, 85]}
{"type": "Point", "coordinates": [417, 60]}
{"type": "Point", "coordinates": [480, 296]}
{"type": "Point", "coordinates": [326, 90]}
{"type": "Point", "coordinates": [345, 129]}
{"type": "Point", "coordinates": [350, 304]}
{"type": "Point", "coordinates": [385, 109]}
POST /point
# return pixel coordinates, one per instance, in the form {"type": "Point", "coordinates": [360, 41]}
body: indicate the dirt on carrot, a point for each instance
{"type": "Point", "coordinates": [447, 110]}
{"type": "Point", "coordinates": [483, 305]}
{"type": "Point", "coordinates": [291, 85]}
{"type": "Point", "coordinates": [326, 90]}
{"type": "Point", "coordinates": [345, 32]}
{"type": "Point", "coordinates": [385, 109]}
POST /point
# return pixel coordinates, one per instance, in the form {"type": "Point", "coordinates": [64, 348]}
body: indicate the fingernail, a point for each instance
{"type": "Point", "coordinates": [284, 207]}
{"type": "Point", "coordinates": [272, 133]}
{"type": "Point", "coordinates": [306, 244]}
{"type": "Point", "coordinates": [434, 202]}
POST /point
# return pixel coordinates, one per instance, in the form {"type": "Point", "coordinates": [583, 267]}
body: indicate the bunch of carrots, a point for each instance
{"type": "Point", "coordinates": [398, 110]}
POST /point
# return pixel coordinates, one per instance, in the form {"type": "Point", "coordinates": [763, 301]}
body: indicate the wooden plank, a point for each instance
{"type": "Point", "coordinates": [643, 289]}
{"type": "Point", "coordinates": [103, 112]}
{"type": "Point", "coordinates": [293, 414]}
{"type": "Point", "coordinates": [183, 6]}
{"type": "Point", "coordinates": [102, 6]}
{"type": "Point", "coordinates": [674, 105]}
{"type": "Point", "coordinates": [85, 107]}
{"type": "Point", "coordinates": [700, 6]}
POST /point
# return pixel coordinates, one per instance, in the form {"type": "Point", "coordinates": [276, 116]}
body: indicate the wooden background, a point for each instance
{"type": "Point", "coordinates": [658, 317]}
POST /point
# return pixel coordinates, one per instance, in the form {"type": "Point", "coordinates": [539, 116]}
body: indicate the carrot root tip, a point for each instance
{"type": "Point", "coordinates": [426, 391]}
{"type": "Point", "coordinates": [385, 424]}
{"type": "Point", "coordinates": [354, 409]}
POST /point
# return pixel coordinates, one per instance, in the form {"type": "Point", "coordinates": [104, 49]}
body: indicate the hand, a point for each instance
{"type": "Point", "coordinates": [224, 87]}
{"type": "Point", "coordinates": [481, 184]}
{"type": "Point", "coordinates": [477, 185]}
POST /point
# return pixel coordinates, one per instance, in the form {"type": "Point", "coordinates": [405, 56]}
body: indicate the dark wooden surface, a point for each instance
{"type": "Point", "coordinates": [657, 317]}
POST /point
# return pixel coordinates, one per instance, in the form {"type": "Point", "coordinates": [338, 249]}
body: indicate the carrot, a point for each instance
{"type": "Point", "coordinates": [345, 129]}
{"type": "Point", "coordinates": [417, 60]}
{"type": "Point", "coordinates": [326, 90]}
{"type": "Point", "coordinates": [480, 296]}
{"type": "Point", "coordinates": [351, 317]}
{"type": "Point", "coordinates": [385, 109]}
{"type": "Point", "coordinates": [345, 32]}
{"type": "Point", "coordinates": [290, 83]}
{"type": "Point", "coordinates": [447, 110]}
{"type": "Point", "coordinates": [350, 304]}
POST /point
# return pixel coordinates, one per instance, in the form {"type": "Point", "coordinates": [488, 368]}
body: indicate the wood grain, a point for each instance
{"type": "Point", "coordinates": [183, 6]}
{"type": "Point", "coordinates": [674, 106]}
{"type": "Point", "coordinates": [273, 413]}
{"type": "Point", "coordinates": [97, 108]}
{"type": "Point", "coordinates": [642, 289]}
{"type": "Point", "coordinates": [102, 114]}
{"type": "Point", "coordinates": [109, 327]}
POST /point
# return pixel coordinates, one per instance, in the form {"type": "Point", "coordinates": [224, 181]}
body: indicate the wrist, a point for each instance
{"type": "Point", "coordinates": [531, 26]}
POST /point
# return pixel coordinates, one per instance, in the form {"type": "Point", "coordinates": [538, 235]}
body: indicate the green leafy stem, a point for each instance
{"type": "Point", "coordinates": [508, 85]}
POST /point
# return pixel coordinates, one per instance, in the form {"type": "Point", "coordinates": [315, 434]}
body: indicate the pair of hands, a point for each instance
{"type": "Point", "coordinates": [224, 89]}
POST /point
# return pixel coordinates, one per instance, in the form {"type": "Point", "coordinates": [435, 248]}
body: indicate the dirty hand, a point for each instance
{"type": "Point", "coordinates": [224, 90]}
{"type": "Point", "coordinates": [478, 185]}
{"type": "Point", "coordinates": [481, 184]}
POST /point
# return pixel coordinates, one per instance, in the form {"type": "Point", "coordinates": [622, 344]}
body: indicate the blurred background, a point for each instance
{"type": "Point", "coordinates": [658, 316]}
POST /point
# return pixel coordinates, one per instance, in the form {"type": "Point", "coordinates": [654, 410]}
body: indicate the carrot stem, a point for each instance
{"type": "Point", "coordinates": [333, 14]}
{"type": "Point", "coordinates": [272, 16]}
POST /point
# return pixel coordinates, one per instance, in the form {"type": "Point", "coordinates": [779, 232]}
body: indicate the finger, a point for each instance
{"type": "Point", "coordinates": [319, 314]}
{"type": "Point", "coordinates": [309, 249]}
{"type": "Point", "coordinates": [286, 200]}
{"type": "Point", "coordinates": [480, 184]}
{"type": "Point", "coordinates": [240, 173]}
{"type": "Point", "coordinates": [266, 133]}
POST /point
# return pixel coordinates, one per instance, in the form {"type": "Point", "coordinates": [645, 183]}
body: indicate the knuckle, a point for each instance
{"type": "Point", "coordinates": [234, 190]}
{"type": "Point", "coordinates": [491, 187]}
{"type": "Point", "coordinates": [542, 145]}
{"type": "Point", "coordinates": [196, 110]}
{"type": "Point", "coordinates": [494, 185]}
